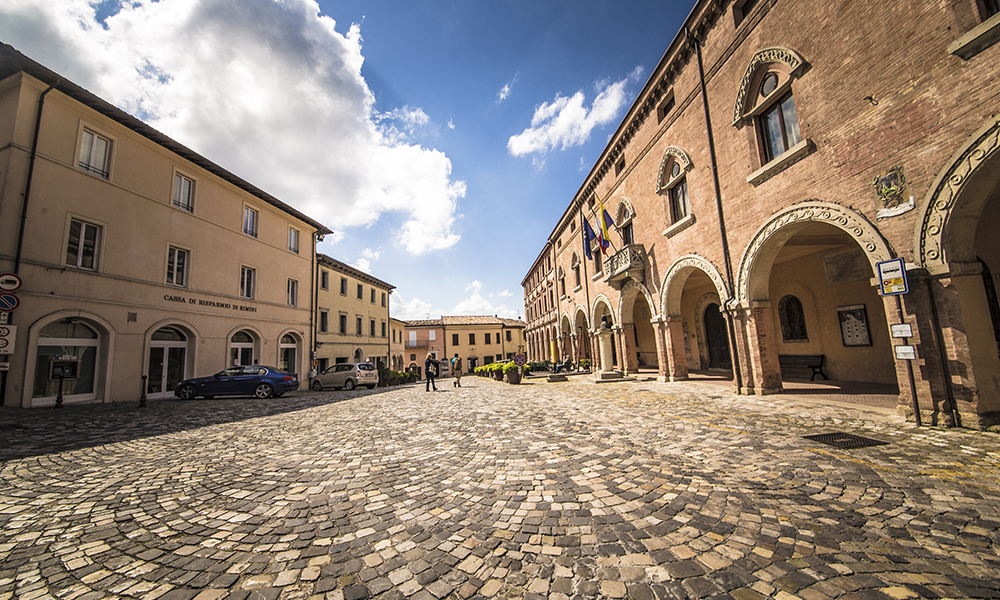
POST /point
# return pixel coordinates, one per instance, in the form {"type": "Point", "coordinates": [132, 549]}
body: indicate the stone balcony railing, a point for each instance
{"type": "Point", "coordinates": [627, 263]}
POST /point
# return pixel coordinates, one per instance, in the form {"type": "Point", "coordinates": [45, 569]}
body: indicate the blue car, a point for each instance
{"type": "Point", "coordinates": [247, 380]}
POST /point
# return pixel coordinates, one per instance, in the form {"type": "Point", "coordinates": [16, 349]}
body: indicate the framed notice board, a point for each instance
{"type": "Point", "coordinates": [854, 325]}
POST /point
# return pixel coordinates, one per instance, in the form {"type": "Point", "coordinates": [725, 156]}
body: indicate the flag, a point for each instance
{"type": "Point", "coordinates": [588, 237]}
{"type": "Point", "coordinates": [606, 221]}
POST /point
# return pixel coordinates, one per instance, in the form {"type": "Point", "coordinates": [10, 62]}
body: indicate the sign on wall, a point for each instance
{"type": "Point", "coordinates": [891, 277]}
{"type": "Point", "coordinates": [854, 325]}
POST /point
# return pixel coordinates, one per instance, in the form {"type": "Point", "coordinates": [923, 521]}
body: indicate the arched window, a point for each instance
{"type": "Point", "coordinates": [167, 361]}
{"type": "Point", "coordinates": [241, 349]}
{"type": "Point", "coordinates": [562, 282]}
{"type": "Point", "coordinates": [673, 185]}
{"type": "Point", "coordinates": [793, 319]}
{"type": "Point", "coordinates": [575, 265]}
{"type": "Point", "coordinates": [623, 222]}
{"type": "Point", "coordinates": [287, 347]}
{"type": "Point", "coordinates": [67, 339]}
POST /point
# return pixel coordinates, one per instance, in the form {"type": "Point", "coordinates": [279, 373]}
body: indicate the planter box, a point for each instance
{"type": "Point", "coordinates": [513, 377]}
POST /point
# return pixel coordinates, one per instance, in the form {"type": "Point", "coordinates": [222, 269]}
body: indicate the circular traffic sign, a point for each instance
{"type": "Point", "coordinates": [519, 360]}
{"type": "Point", "coordinates": [9, 302]}
{"type": "Point", "coordinates": [10, 282]}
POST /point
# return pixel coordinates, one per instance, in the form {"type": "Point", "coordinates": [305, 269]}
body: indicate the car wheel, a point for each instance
{"type": "Point", "coordinates": [262, 391]}
{"type": "Point", "coordinates": [187, 392]}
{"type": "Point", "coordinates": [371, 387]}
{"type": "Point", "coordinates": [317, 386]}
{"type": "Point", "coordinates": [349, 384]}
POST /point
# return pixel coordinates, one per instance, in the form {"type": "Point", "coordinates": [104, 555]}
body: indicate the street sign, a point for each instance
{"type": "Point", "coordinates": [519, 360]}
{"type": "Point", "coordinates": [9, 302]}
{"type": "Point", "coordinates": [10, 282]}
{"type": "Point", "coordinates": [905, 352]}
{"type": "Point", "coordinates": [892, 277]}
{"type": "Point", "coordinates": [4, 366]}
{"type": "Point", "coordinates": [901, 330]}
{"type": "Point", "coordinates": [8, 334]}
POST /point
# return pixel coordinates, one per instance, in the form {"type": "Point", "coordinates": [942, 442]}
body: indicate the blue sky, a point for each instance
{"type": "Point", "coordinates": [440, 140]}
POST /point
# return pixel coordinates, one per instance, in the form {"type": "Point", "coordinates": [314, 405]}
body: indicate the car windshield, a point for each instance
{"type": "Point", "coordinates": [366, 367]}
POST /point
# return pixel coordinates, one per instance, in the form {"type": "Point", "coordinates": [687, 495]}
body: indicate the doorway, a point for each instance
{"type": "Point", "coordinates": [717, 338]}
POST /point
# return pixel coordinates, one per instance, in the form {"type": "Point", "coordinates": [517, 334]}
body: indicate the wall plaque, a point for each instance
{"type": "Point", "coordinates": [843, 267]}
{"type": "Point", "coordinates": [854, 325]}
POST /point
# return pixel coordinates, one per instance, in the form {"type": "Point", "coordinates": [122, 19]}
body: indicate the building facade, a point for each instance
{"type": "Point", "coordinates": [423, 337]}
{"type": "Point", "coordinates": [352, 315]}
{"type": "Point", "coordinates": [142, 262]}
{"type": "Point", "coordinates": [777, 160]}
{"type": "Point", "coordinates": [481, 340]}
{"type": "Point", "coordinates": [397, 348]}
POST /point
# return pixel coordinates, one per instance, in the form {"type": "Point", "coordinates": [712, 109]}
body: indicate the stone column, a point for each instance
{"type": "Point", "coordinates": [604, 340]}
{"type": "Point", "coordinates": [971, 341]}
{"type": "Point", "coordinates": [676, 354]}
{"type": "Point", "coordinates": [763, 349]}
{"type": "Point", "coordinates": [662, 367]}
{"type": "Point", "coordinates": [574, 350]}
{"type": "Point", "coordinates": [630, 363]}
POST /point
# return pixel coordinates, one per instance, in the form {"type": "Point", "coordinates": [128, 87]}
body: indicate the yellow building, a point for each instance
{"type": "Point", "coordinates": [352, 315]}
{"type": "Point", "coordinates": [480, 340]}
{"type": "Point", "coordinates": [140, 259]}
{"type": "Point", "coordinates": [397, 348]}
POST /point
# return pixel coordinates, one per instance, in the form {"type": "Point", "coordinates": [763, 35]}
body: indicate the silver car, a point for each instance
{"type": "Point", "coordinates": [346, 375]}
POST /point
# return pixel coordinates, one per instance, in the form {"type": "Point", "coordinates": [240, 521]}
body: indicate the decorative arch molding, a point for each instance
{"type": "Point", "coordinates": [178, 323]}
{"type": "Point", "coordinates": [565, 325]}
{"type": "Point", "coordinates": [790, 58]}
{"type": "Point", "coordinates": [673, 282]}
{"type": "Point", "coordinates": [256, 333]}
{"type": "Point", "coordinates": [626, 301]}
{"type": "Point", "coordinates": [672, 153]}
{"type": "Point", "coordinates": [105, 352]}
{"type": "Point", "coordinates": [581, 310]}
{"type": "Point", "coordinates": [600, 299]}
{"type": "Point", "coordinates": [623, 212]}
{"type": "Point", "coordinates": [770, 238]}
{"type": "Point", "coordinates": [940, 203]}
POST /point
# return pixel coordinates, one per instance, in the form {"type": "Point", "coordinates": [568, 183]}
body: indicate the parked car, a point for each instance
{"type": "Point", "coordinates": [246, 380]}
{"type": "Point", "coordinates": [346, 375]}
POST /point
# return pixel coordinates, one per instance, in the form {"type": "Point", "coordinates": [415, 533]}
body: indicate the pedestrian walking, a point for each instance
{"type": "Point", "coordinates": [456, 368]}
{"type": "Point", "coordinates": [431, 368]}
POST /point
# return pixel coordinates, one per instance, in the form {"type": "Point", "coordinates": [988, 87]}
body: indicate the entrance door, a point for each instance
{"type": "Point", "coordinates": [167, 353]}
{"type": "Point", "coordinates": [717, 338]}
{"type": "Point", "coordinates": [241, 349]}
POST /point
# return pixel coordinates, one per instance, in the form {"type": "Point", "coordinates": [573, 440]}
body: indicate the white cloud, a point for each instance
{"type": "Point", "coordinates": [269, 90]}
{"type": "Point", "coordinates": [451, 123]}
{"type": "Point", "coordinates": [363, 265]}
{"type": "Point", "coordinates": [476, 304]}
{"type": "Point", "coordinates": [566, 122]}
{"type": "Point", "coordinates": [371, 254]}
{"type": "Point", "coordinates": [415, 309]}
{"type": "Point", "coordinates": [504, 92]}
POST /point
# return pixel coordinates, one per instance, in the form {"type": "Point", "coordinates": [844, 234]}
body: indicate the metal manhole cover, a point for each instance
{"type": "Point", "coordinates": [844, 440]}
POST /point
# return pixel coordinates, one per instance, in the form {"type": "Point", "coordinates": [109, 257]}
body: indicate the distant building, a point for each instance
{"type": "Point", "coordinates": [352, 315]}
{"type": "Point", "coordinates": [478, 340]}
{"type": "Point", "coordinates": [397, 348]}
{"type": "Point", "coordinates": [142, 261]}
{"type": "Point", "coordinates": [421, 338]}
{"type": "Point", "coordinates": [778, 154]}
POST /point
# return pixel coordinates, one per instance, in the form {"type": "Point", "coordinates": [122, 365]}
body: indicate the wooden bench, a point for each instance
{"type": "Point", "coordinates": [803, 361]}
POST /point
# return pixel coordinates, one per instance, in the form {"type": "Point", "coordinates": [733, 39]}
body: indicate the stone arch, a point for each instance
{"type": "Point", "coordinates": [699, 345]}
{"type": "Point", "coordinates": [193, 344]}
{"type": "Point", "coordinates": [600, 300]}
{"type": "Point", "coordinates": [677, 275]}
{"type": "Point", "coordinates": [624, 212]}
{"type": "Point", "coordinates": [671, 154]}
{"type": "Point", "coordinates": [105, 353]}
{"type": "Point", "coordinates": [581, 310]}
{"type": "Point", "coordinates": [791, 59]}
{"type": "Point", "coordinates": [945, 231]}
{"type": "Point", "coordinates": [628, 294]}
{"type": "Point", "coordinates": [769, 239]}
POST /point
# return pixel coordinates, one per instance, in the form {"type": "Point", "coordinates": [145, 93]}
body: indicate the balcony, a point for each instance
{"type": "Point", "coordinates": [627, 263]}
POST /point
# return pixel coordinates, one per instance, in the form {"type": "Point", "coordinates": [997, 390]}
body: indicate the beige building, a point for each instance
{"type": "Point", "coordinates": [352, 315]}
{"type": "Point", "coordinates": [480, 340]}
{"type": "Point", "coordinates": [140, 259]}
{"type": "Point", "coordinates": [397, 348]}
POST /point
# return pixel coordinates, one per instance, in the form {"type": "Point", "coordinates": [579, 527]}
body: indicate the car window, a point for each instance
{"type": "Point", "coordinates": [232, 372]}
{"type": "Point", "coordinates": [342, 368]}
{"type": "Point", "coordinates": [366, 367]}
{"type": "Point", "coordinates": [254, 371]}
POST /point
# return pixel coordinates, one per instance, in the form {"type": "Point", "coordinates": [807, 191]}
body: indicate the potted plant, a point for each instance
{"type": "Point", "coordinates": [512, 373]}
{"type": "Point", "coordinates": [585, 364]}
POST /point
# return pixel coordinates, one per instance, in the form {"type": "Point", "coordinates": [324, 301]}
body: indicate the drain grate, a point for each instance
{"type": "Point", "coordinates": [844, 440]}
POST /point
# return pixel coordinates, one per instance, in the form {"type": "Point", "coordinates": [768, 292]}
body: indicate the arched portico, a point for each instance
{"type": "Point", "coordinates": [955, 241]}
{"type": "Point", "coordinates": [688, 280]}
{"type": "Point", "coordinates": [637, 309]}
{"type": "Point", "coordinates": [606, 329]}
{"type": "Point", "coordinates": [815, 245]}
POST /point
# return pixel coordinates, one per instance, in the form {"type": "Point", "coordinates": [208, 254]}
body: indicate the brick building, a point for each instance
{"type": "Point", "coordinates": [779, 152]}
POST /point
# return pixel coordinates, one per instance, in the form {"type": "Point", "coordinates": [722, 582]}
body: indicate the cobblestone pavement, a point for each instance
{"type": "Point", "coordinates": [640, 490]}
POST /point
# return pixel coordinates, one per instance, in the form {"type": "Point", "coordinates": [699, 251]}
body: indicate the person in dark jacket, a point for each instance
{"type": "Point", "coordinates": [431, 370]}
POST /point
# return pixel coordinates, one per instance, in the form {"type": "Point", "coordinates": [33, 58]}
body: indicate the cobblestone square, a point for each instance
{"type": "Point", "coordinates": [633, 490]}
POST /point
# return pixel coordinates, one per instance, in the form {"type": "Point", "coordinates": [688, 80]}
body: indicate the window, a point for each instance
{"type": "Point", "coordinates": [373, 295]}
{"type": "Point", "coordinates": [793, 319]}
{"type": "Point", "coordinates": [359, 327]}
{"type": "Point", "coordinates": [487, 340]}
{"type": "Point", "coordinates": [324, 321]}
{"type": "Point", "coordinates": [562, 282]}
{"type": "Point", "coordinates": [343, 323]}
{"type": "Point", "coordinates": [293, 292]}
{"type": "Point", "coordinates": [247, 276]}
{"type": "Point", "coordinates": [472, 339]}
{"type": "Point", "coordinates": [432, 335]}
{"type": "Point", "coordinates": [742, 9]}
{"type": "Point", "coordinates": [575, 266]}
{"type": "Point", "coordinates": [990, 8]}
{"type": "Point", "coordinates": [72, 337]}
{"type": "Point", "coordinates": [454, 339]}
{"type": "Point", "coordinates": [83, 244]}
{"type": "Point", "coordinates": [324, 280]}
{"type": "Point", "coordinates": [249, 221]}
{"type": "Point", "coordinates": [679, 200]}
{"type": "Point", "coordinates": [625, 216]}
{"type": "Point", "coordinates": [779, 124]}
{"type": "Point", "coordinates": [383, 298]}
{"type": "Point", "coordinates": [361, 291]}
{"type": "Point", "coordinates": [383, 328]}
{"type": "Point", "coordinates": [665, 107]}
{"type": "Point", "coordinates": [177, 260]}
{"type": "Point", "coordinates": [372, 328]}
{"type": "Point", "coordinates": [183, 192]}
{"type": "Point", "coordinates": [508, 335]}
{"type": "Point", "coordinates": [293, 240]}
{"type": "Point", "coordinates": [343, 286]}
{"type": "Point", "coordinates": [94, 154]}
{"type": "Point", "coordinates": [620, 166]}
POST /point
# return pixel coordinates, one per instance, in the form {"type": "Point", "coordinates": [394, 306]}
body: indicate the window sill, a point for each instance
{"type": "Point", "coordinates": [977, 39]}
{"type": "Point", "coordinates": [679, 226]}
{"type": "Point", "coordinates": [577, 289]}
{"type": "Point", "coordinates": [597, 276]}
{"type": "Point", "coordinates": [781, 162]}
